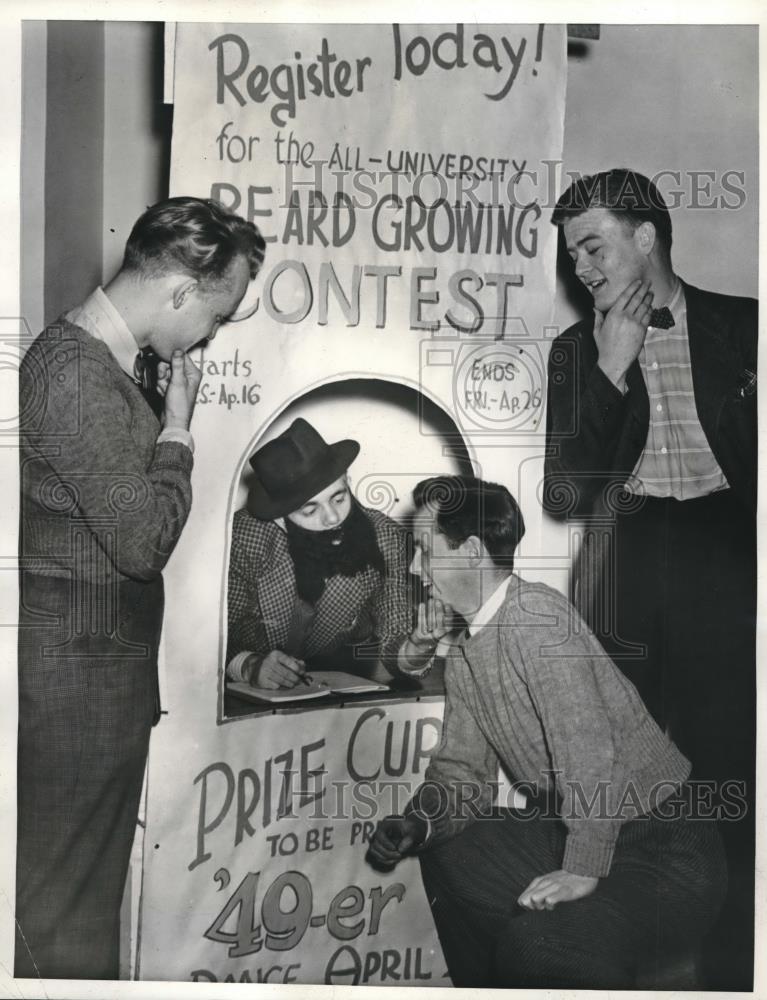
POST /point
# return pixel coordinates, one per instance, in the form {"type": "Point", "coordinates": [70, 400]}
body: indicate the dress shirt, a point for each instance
{"type": "Point", "coordinates": [677, 460]}
{"type": "Point", "coordinates": [489, 608]}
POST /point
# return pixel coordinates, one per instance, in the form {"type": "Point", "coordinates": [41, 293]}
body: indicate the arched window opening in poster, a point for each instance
{"type": "Point", "coordinates": [404, 437]}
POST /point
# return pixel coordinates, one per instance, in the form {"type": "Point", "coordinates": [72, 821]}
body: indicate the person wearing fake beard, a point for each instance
{"type": "Point", "coordinates": [312, 573]}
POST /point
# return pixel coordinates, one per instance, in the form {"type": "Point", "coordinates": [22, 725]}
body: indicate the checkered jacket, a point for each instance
{"type": "Point", "coordinates": [262, 593]}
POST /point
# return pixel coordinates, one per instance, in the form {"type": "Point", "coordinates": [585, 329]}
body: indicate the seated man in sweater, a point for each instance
{"type": "Point", "coordinates": [607, 866]}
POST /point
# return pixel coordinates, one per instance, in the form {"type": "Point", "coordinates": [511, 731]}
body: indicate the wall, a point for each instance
{"type": "Point", "coordinates": [73, 163]}
{"type": "Point", "coordinates": [682, 98]}
{"type": "Point", "coordinates": [34, 40]}
{"type": "Point", "coordinates": [95, 153]}
{"type": "Point", "coordinates": [137, 128]}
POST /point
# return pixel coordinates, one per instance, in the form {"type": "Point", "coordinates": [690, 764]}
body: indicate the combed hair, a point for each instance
{"type": "Point", "coordinates": [193, 236]}
{"type": "Point", "coordinates": [466, 506]}
{"type": "Point", "coordinates": [628, 194]}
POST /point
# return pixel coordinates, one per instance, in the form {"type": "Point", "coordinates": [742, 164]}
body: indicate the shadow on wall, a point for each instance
{"type": "Point", "coordinates": [404, 438]}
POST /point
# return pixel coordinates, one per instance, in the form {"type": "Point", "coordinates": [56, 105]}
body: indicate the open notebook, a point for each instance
{"type": "Point", "coordinates": [323, 683]}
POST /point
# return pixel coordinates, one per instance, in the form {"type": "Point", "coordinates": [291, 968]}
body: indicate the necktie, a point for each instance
{"type": "Point", "coordinates": [458, 644]}
{"type": "Point", "coordinates": [145, 374]}
{"type": "Point", "coordinates": [661, 319]}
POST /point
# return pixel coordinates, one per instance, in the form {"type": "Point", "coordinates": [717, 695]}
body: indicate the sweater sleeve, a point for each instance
{"type": "Point", "coordinates": [90, 466]}
{"type": "Point", "coordinates": [461, 780]}
{"type": "Point", "coordinates": [568, 677]}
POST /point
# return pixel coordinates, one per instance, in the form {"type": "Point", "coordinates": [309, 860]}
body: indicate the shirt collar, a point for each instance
{"type": "Point", "coordinates": [98, 317]}
{"type": "Point", "coordinates": [489, 608]}
{"type": "Point", "coordinates": [675, 299]}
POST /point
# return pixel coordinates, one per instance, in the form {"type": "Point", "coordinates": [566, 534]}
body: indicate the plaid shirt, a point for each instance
{"type": "Point", "coordinates": [262, 593]}
{"type": "Point", "coordinates": [677, 460]}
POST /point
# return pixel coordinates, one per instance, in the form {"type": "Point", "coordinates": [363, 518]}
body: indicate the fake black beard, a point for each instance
{"type": "Point", "coordinates": [344, 551]}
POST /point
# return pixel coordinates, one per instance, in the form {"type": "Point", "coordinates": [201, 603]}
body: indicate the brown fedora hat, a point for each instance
{"type": "Point", "coordinates": [294, 467]}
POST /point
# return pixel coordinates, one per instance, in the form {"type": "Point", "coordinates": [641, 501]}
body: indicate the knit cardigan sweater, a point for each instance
{"type": "Point", "coordinates": [102, 501]}
{"type": "Point", "coordinates": [534, 691]}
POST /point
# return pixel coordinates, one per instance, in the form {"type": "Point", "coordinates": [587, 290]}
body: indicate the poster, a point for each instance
{"type": "Point", "coordinates": [406, 300]}
{"type": "Point", "coordinates": [273, 886]}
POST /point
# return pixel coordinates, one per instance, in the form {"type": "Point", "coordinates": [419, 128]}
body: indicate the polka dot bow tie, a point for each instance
{"type": "Point", "coordinates": [661, 319]}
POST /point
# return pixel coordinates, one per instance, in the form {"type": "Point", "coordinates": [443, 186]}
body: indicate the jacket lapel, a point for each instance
{"type": "Point", "coordinates": [714, 366]}
{"type": "Point", "coordinates": [639, 402]}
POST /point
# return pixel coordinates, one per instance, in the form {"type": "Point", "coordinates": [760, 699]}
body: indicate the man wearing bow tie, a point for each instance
{"type": "Point", "coordinates": [105, 482]}
{"type": "Point", "coordinates": [651, 428]}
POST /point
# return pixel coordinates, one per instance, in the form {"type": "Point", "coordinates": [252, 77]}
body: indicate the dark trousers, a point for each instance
{"type": "Point", "coordinates": [684, 583]}
{"type": "Point", "coordinates": [664, 889]}
{"type": "Point", "coordinates": [87, 701]}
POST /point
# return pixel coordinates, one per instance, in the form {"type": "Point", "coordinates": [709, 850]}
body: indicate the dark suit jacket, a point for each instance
{"type": "Point", "coordinates": [595, 434]}
{"type": "Point", "coordinates": [262, 593]}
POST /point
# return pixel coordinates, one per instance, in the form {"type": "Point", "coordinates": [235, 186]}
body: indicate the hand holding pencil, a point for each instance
{"type": "Point", "coordinates": [276, 670]}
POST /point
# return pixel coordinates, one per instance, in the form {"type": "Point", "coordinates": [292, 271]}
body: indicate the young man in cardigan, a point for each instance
{"type": "Point", "coordinates": [105, 481]}
{"type": "Point", "coordinates": [605, 868]}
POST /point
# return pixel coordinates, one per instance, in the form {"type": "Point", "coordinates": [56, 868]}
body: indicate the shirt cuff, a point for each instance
{"type": "Point", "coordinates": [235, 665]}
{"type": "Point", "coordinates": [424, 818]}
{"type": "Point", "coordinates": [429, 834]}
{"type": "Point", "coordinates": [178, 435]}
